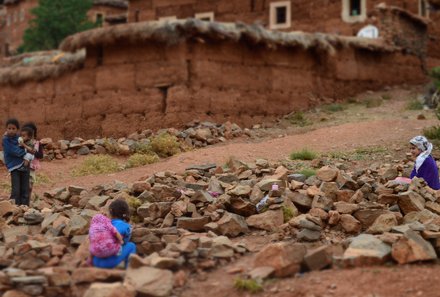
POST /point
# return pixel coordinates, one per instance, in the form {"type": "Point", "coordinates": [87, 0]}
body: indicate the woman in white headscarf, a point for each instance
{"type": "Point", "coordinates": [425, 166]}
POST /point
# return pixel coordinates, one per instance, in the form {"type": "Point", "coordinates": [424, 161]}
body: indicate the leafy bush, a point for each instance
{"type": "Point", "coordinates": [249, 285]}
{"type": "Point", "coordinates": [414, 105]}
{"type": "Point", "coordinates": [303, 154]}
{"type": "Point", "coordinates": [298, 119]}
{"type": "Point", "coordinates": [432, 132]}
{"type": "Point", "coordinates": [111, 146]}
{"type": "Point", "coordinates": [100, 164]}
{"type": "Point", "coordinates": [137, 160]}
{"type": "Point", "coordinates": [165, 145]}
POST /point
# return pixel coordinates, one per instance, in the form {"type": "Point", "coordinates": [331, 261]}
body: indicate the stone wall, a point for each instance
{"type": "Point", "coordinates": [123, 88]}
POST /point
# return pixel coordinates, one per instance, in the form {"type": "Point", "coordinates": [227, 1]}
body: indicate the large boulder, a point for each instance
{"type": "Point", "coordinates": [412, 248]}
{"type": "Point", "coordinates": [269, 220]}
{"type": "Point", "coordinates": [149, 281]}
{"type": "Point", "coordinates": [284, 257]}
{"type": "Point", "coordinates": [232, 225]}
{"type": "Point", "coordinates": [366, 249]}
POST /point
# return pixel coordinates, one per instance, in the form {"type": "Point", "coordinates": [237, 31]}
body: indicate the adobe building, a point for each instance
{"type": "Point", "coordinates": [17, 15]}
{"type": "Point", "coordinates": [341, 17]}
{"type": "Point", "coordinates": [330, 16]}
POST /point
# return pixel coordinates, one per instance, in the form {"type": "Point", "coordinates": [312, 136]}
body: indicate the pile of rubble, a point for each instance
{"type": "Point", "coordinates": [196, 135]}
{"type": "Point", "coordinates": [187, 223]}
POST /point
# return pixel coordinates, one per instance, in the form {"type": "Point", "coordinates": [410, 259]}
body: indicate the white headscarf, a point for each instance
{"type": "Point", "coordinates": [425, 146]}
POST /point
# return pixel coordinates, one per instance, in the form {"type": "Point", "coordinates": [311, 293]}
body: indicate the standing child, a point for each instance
{"type": "Point", "coordinates": [120, 214]}
{"type": "Point", "coordinates": [38, 155]}
{"type": "Point", "coordinates": [425, 166]}
{"type": "Point", "coordinates": [14, 157]}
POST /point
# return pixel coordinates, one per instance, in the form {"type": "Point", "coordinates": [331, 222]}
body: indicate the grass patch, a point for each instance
{"type": "Point", "coordinates": [100, 164]}
{"type": "Point", "coordinates": [288, 213]}
{"type": "Point", "coordinates": [137, 160]}
{"type": "Point", "coordinates": [42, 179]}
{"type": "Point", "coordinates": [335, 107]}
{"type": "Point", "coordinates": [370, 150]}
{"type": "Point", "coordinates": [308, 172]}
{"type": "Point", "coordinates": [386, 97]}
{"type": "Point", "coordinates": [432, 132]}
{"type": "Point", "coordinates": [373, 102]}
{"type": "Point", "coordinates": [5, 186]}
{"type": "Point", "coordinates": [134, 203]}
{"type": "Point", "coordinates": [298, 119]}
{"type": "Point", "coordinates": [165, 145]}
{"type": "Point", "coordinates": [248, 285]}
{"type": "Point", "coordinates": [414, 105]}
{"type": "Point", "coordinates": [303, 154]}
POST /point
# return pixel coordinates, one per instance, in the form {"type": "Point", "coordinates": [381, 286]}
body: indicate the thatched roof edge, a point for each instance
{"type": "Point", "coordinates": [173, 32]}
{"type": "Point", "coordinates": [21, 72]}
{"type": "Point", "coordinates": [398, 10]}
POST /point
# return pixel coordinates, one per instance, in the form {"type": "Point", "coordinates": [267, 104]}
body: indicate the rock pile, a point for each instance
{"type": "Point", "coordinates": [196, 135]}
{"type": "Point", "coordinates": [187, 223]}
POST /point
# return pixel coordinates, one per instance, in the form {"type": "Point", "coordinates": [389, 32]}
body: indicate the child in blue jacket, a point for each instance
{"type": "Point", "coordinates": [14, 157]}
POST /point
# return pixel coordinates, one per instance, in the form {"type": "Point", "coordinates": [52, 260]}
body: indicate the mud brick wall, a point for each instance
{"type": "Point", "coordinates": [307, 15]}
{"type": "Point", "coordinates": [19, 16]}
{"type": "Point", "coordinates": [124, 88]}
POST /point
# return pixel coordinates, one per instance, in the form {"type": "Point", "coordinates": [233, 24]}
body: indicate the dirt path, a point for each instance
{"type": "Point", "coordinates": [337, 138]}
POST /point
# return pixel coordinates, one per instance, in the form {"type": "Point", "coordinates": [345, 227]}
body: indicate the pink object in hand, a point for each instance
{"type": "Point", "coordinates": [403, 180]}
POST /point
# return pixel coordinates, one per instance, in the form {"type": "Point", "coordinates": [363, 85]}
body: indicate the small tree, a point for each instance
{"type": "Point", "coordinates": [53, 21]}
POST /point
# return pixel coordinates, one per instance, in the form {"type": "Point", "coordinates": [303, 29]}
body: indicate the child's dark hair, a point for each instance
{"type": "Point", "coordinates": [119, 209]}
{"type": "Point", "coordinates": [32, 126]}
{"type": "Point", "coordinates": [28, 130]}
{"type": "Point", "coordinates": [14, 122]}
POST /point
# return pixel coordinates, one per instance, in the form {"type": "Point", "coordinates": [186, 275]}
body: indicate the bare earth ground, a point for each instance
{"type": "Point", "coordinates": [389, 125]}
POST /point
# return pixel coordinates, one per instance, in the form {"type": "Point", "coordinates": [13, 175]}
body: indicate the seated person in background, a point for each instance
{"type": "Point", "coordinates": [425, 166]}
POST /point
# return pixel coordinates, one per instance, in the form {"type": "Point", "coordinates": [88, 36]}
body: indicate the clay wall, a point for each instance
{"type": "Point", "coordinates": [123, 88]}
{"type": "Point", "coordinates": [105, 11]}
{"type": "Point", "coordinates": [306, 15]}
{"type": "Point", "coordinates": [17, 20]}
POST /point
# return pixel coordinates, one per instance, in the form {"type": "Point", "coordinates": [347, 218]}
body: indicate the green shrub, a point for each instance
{"type": "Point", "coordinates": [373, 102]}
{"type": "Point", "coordinates": [165, 145]}
{"type": "Point", "coordinates": [414, 105]}
{"type": "Point", "coordinates": [303, 154]}
{"type": "Point", "coordinates": [386, 97]}
{"type": "Point", "coordinates": [298, 119]}
{"type": "Point", "coordinates": [248, 285]}
{"type": "Point", "coordinates": [111, 146]}
{"type": "Point", "coordinates": [137, 160]}
{"type": "Point", "coordinates": [435, 74]}
{"type": "Point", "coordinates": [335, 107]}
{"type": "Point", "coordinates": [99, 164]}
{"type": "Point", "coordinates": [143, 148]}
{"type": "Point", "coordinates": [432, 132]}
{"type": "Point", "coordinates": [288, 213]}
{"type": "Point", "coordinates": [308, 172]}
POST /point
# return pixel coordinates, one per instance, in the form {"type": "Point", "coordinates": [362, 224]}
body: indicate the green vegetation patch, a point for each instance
{"type": "Point", "coordinates": [248, 285]}
{"type": "Point", "coordinates": [99, 164]}
{"type": "Point", "coordinates": [304, 154]}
